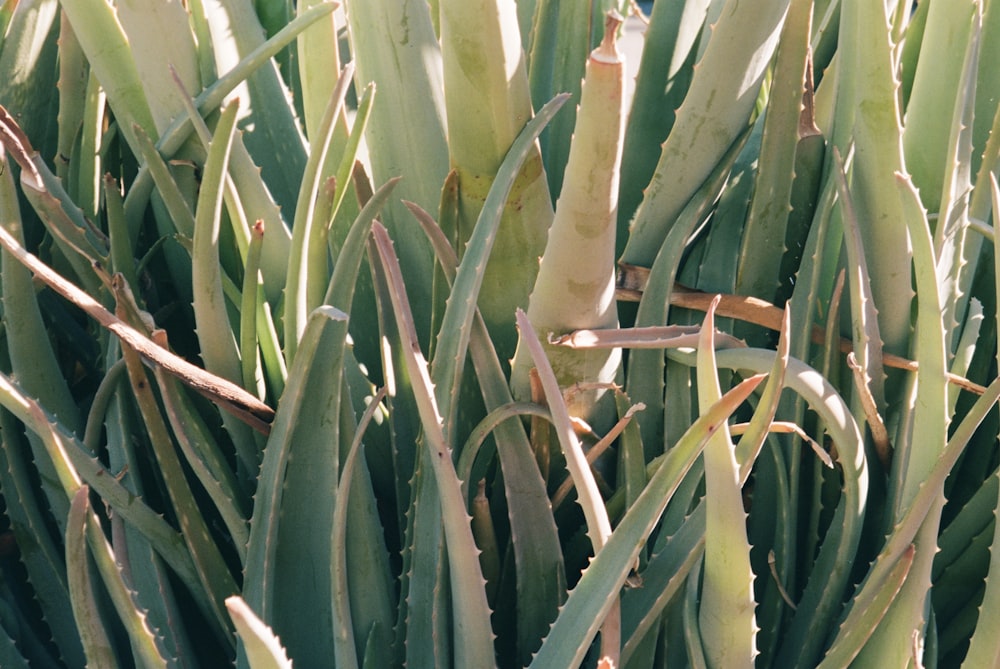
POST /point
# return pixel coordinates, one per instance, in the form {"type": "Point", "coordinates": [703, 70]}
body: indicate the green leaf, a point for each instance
{"type": "Point", "coordinates": [714, 114]}
{"type": "Point", "coordinates": [488, 104]}
{"type": "Point", "coordinates": [215, 332]}
{"type": "Point", "coordinates": [296, 496]}
{"type": "Point", "coordinates": [272, 133]}
{"type": "Point", "coordinates": [263, 648]}
{"type": "Point", "coordinates": [110, 56]}
{"type": "Point", "coordinates": [86, 610]}
{"type": "Point", "coordinates": [765, 230]}
{"type": "Point", "coordinates": [453, 338]}
{"type": "Point", "coordinates": [538, 560]}
{"type": "Point", "coordinates": [664, 75]}
{"type": "Point", "coordinates": [308, 271]}
{"type": "Point", "coordinates": [394, 45]}
{"type": "Point", "coordinates": [601, 583]}
{"type": "Point", "coordinates": [473, 635]}
{"type": "Point", "coordinates": [984, 647]}
{"type": "Point", "coordinates": [726, 612]}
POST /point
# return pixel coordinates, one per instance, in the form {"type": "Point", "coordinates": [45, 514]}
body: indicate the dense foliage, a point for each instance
{"type": "Point", "coordinates": [403, 335]}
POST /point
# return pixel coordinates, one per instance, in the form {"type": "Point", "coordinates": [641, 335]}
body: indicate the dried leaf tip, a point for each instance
{"type": "Point", "coordinates": [607, 51]}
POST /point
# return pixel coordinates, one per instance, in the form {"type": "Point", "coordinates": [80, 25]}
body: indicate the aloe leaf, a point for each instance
{"type": "Point", "coordinates": [78, 239]}
{"type": "Point", "coordinates": [318, 60]}
{"type": "Point", "coordinates": [972, 525]}
{"type": "Point", "coordinates": [244, 233]}
{"type": "Point", "coordinates": [74, 75]}
{"type": "Point", "coordinates": [273, 16]}
{"type": "Point", "coordinates": [631, 457]}
{"type": "Point", "coordinates": [726, 613]}
{"type": "Point", "coordinates": [867, 114]}
{"type": "Point", "coordinates": [484, 532]}
{"type": "Point", "coordinates": [340, 291]}
{"type": "Point", "coordinates": [349, 157]}
{"type": "Point", "coordinates": [692, 634]}
{"type": "Point", "coordinates": [564, 35]}
{"type": "Point", "coordinates": [177, 205]}
{"type": "Point", "coordinates": [930, 111]}
{"type": "Point", "coordinates": [109, 53]}
{"type": "Point", "coordinates": [987, 88]}
{"type": "Point", "coordinates": [142, 567]}
{"type": "Point", "coordinates": [213, 574]}
{"type": "Point", "coordinates": [307, 265]}
{"type": "Point", "coordinates": [984, 648]}
{"type": "Point", "coordinates": [811, 300]}
{"type": "Point", "coordinates": [270, 364]}
{"type": "Point", "coordinates": [203, 455]}
{"type": "Point", "coordinates": [30, 62]}
{"type": "Point", "coordinates": [965, 350]}
{"type": "Point", "coordinates": [669, 569]}
{"type": "Point", "coordinates": [311, 400]}
{"type": "Point", "coordinates": [145, 643]}
{"type": "Point", "coordinates": [716, 251]}
{"type": "Point", "coordinates": [772, 537]}
{"type": "Point", "coordinates": [820, 600]}
{"type": "Point", "coordinates": [809, 160]}
{"type": "Point", "coordinates": [575, 284]}
{"type": "Point", "coordinates": [864, 316]}
{"type": "Point", "coordinates": [31, 354]}
{"type": "Point", "coordinates": [253, 191]}
{"type": "Point", "coordinates": [215, 93]}
{"type": "Point", "coordinates": [29, 522]}
{"type": "Point", "coordinates": [423, 608]}
{"type": "Point", "coordinates": [147, 647]}
{"type": "Point", "coordinates": [958, 252]}
{"type": "Point", "coordinates": [87, 159]}
{"type": "Point", "coordinates": [227, 395]}
{"type": "Point", "coordinates": [601, 583]}
{"type": "Point", "coordinates": [930, 414]}
{"type": "Point", "coordinates": [215, 333]}
{"type": "Point", "coordinates": [93, 630]}
{"type": "Point", "coordinates": [10, 655]}
{"type": "Point", "coordinates": [163, 29]}
{"type": "Point", "coordinates": [911, 528]}
{"type": "Point", "coordinates": [165, 539]}
{"type": "Point", "coordinates": [482, 431]}
{"type": "Point", "coordinates": [453, 338]}
{"type": "Point", "coordinates": [765, 231]}
{"type": "Point", "coordinates": [958, 590]}
{"type": "Point", "coordinates": [418, 518]}
{"type": "Point", "coordinates": [488, 103]}
{"type": "Point", "coordinates": [706, 127]}
{"type": "Point", "coordinates": [858, 630]}
{"type": "Point", "coordinates": [120, 250]}
{"type": "Point", "coordinates": [394, 45]}
{"type": "Point", "coordinates": [588, 495]}
{"type": "Point", "coordinates": [662, 81]}
{"type": "Point", "coordinates": [645, 379]}
{"type": "Point", "coordinates": [251, 305]}
{"type": "Point", "coordinates": [302, 457]}
{"type": "Point", "coordinates": [473, 635]}
{"type": "Point", "coordinates": [345, 209]}
{"type": "Point", "coordinates": [366, 579]}
{"type": "Point", "coordinates": [428, 611]}
{"type": "Point", "coordinates": [273, 136]}
{"type": "Point", "coordinates": [748, 449]}
{"type": "Point", "coordinates": [263, 648]}
{"type": "Point", "coordinates": [538, 561]}
{"type": "Point", "coordinates": [375, 655]}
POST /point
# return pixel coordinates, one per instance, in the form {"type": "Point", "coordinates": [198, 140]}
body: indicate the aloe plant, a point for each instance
{"type": "Point", "coordinates": [315, 351]}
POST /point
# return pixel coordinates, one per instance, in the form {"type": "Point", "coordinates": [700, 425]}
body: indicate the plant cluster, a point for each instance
{"type": "Point", "coordinates": [398, 334]}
